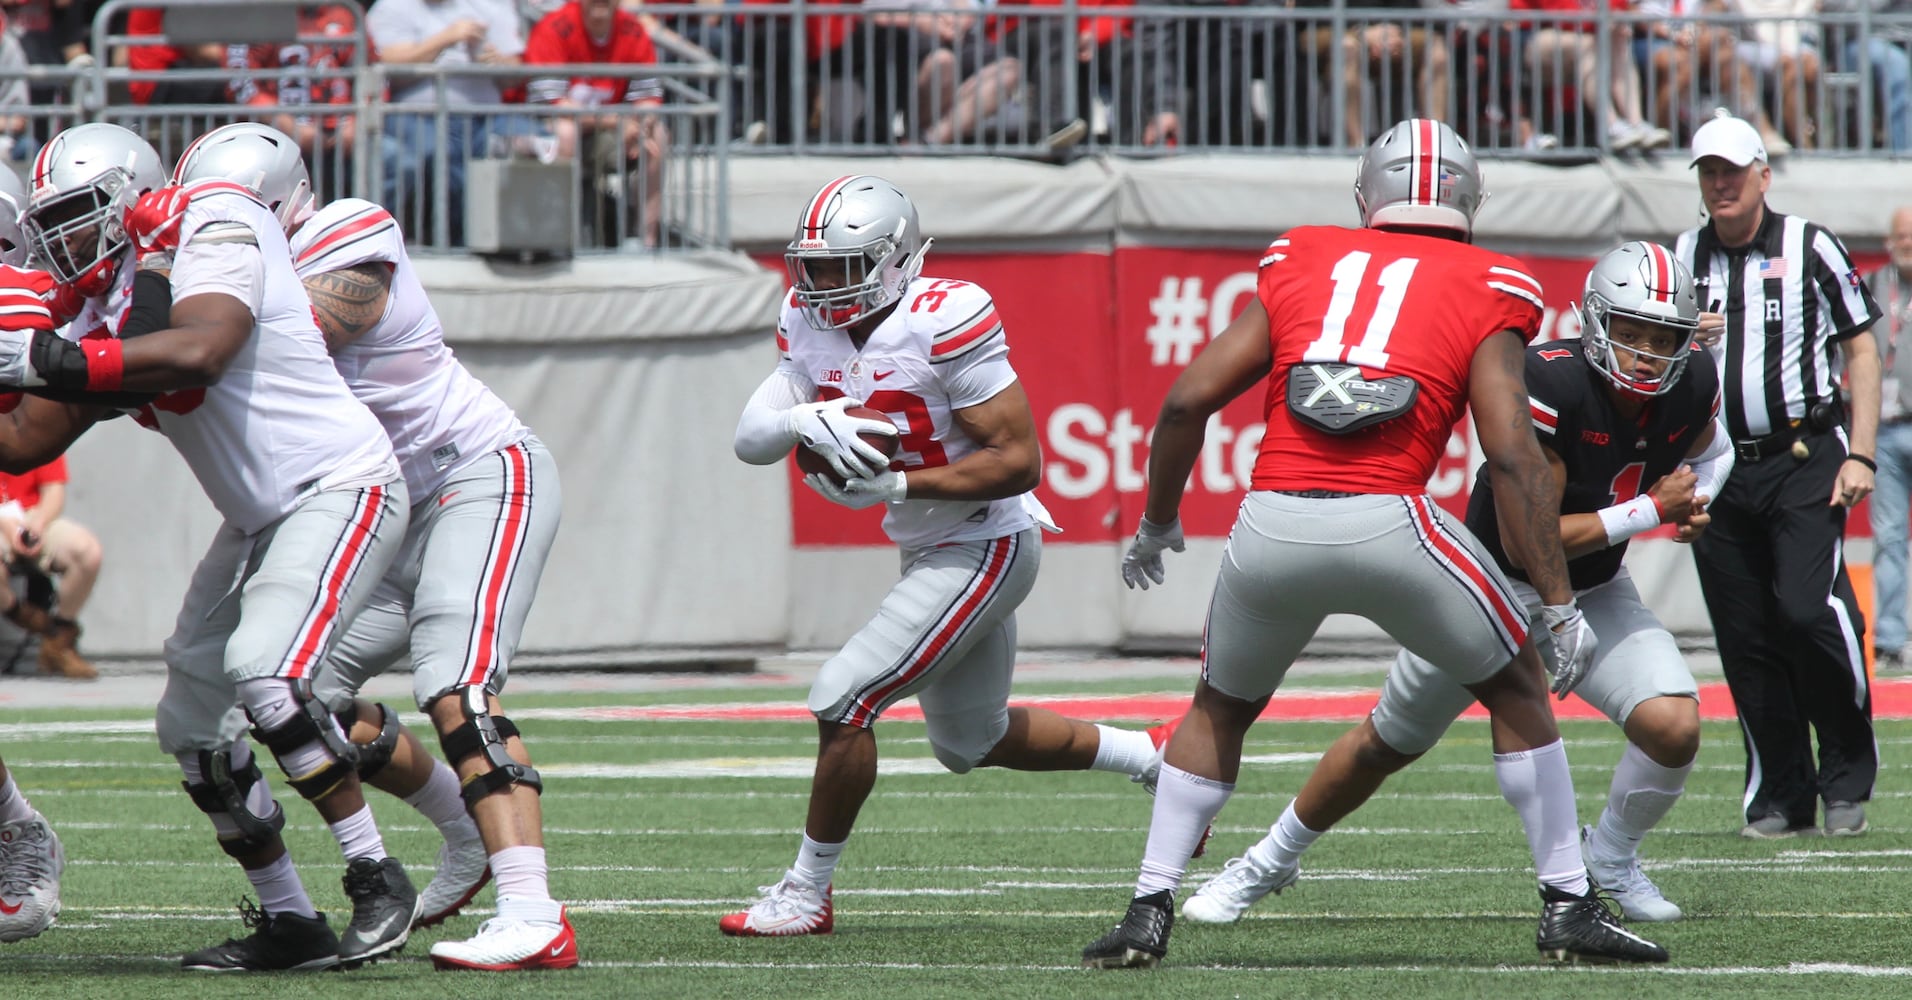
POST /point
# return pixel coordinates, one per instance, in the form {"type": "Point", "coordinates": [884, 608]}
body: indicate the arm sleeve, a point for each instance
{"type": "Point", "coordinates": [1712, 466]}
{"type": "Point", "coordinates": [1848, 302]}
{"type": "Point", "coordinates": [235, 269]}
{"type": "Point", "coordinates": [1551, 414]}
{"type": "Point", "coordinates": [1516, 302]}
{"type": "Point", "coordinates": [979, 376]}
{"type": "Point", "coordinates": [764, 435]}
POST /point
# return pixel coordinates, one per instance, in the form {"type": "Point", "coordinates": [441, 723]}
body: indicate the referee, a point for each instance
{"type": "Point", "coordinates": [1771, 566]}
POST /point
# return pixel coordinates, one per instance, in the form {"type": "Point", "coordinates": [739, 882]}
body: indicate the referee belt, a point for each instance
{"type": "Point", "coordinates": [1780, 443]}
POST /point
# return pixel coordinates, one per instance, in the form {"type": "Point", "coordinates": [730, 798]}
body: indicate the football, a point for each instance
{"type": "Point", "coordinates": [809, 461]}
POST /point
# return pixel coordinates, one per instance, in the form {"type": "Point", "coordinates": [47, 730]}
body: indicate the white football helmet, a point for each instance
{"type": "Point", "coordinates": [13, 242]}
{"type": "Point", "coordinates": [856, 251]}
{"type": "Point", "coordinates": [1644, 281]}
{"type": "Point", "coordinates": [259, 157]}
{"type": "Point", "coordinates": [82, 185]}
{"type": "Point", "coordinates": [1419, 173]}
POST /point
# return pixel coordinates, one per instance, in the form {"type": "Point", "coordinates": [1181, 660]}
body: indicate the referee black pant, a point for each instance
{"type": "Point", "coordinates": [1772, 568]}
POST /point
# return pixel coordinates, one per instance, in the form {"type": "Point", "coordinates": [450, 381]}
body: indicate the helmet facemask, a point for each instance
{"type": "Point", "coordinates": [1603, 350]}
{"type": "Point", "coordinates": [838, 288]}
{"type": "Point", "coordinates": [80, 236]}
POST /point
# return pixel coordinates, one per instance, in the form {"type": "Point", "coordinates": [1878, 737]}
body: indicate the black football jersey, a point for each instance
{"type": "Point", "coordinates": [1610, 459]}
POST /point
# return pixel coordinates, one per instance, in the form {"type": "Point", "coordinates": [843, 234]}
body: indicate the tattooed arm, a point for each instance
{"type": "Point", "coordinates": [349, 301]}
{"type": "Point", "coordinates": [1525, 496]}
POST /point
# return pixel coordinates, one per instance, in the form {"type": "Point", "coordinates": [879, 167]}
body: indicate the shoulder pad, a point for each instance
{"type": "Point", "coordinates": [958, 317]}
{"type": "Point", "coordinates": [346, 233]}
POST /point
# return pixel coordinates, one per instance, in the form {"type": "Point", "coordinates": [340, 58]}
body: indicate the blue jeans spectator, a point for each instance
{"type": "Point", "coordinates": [1891, 497]}
{"type": "Point", "coordinates": [1892, 68]}
{"type": "Point", "coordinates": [408, 149]}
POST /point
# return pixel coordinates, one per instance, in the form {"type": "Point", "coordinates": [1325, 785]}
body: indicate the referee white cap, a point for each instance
{"type": "Point", "coordinates": [1732, 139]}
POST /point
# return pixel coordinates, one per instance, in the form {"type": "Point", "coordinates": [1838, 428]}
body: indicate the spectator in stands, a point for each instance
{"type": "Point", "coordinates": [1206, 72]}
{"type": "Point", "coordinates": [953, 77]}
{"type": "Point", "coordinates": [1568, 53]}
{"type": "Point", "coordinates": [15, 138]}
{"type": "Point", "coordinates": [34, 535]}
{"type": "Point", "coordinates": [326, 138]}
{"type": "Point", "coordinates": [1488, 104]}
{"type": "Point", "coordinates": [1885, 47]}
{"type": "Point", "coordinates": [1891, 287]}
{"type": "Point", "coordinates": [153, 58]}
{"type": "Point", "coordinates": [1687, 60]}
{"type": "Point", "coordinates": [1383, 51]}
{"type": "Point", "coordinates": [1780, 38]}
{"type": "Point", "coordinates": [625, 143]}
{"type": "Point", "coordinates": [452, 34]}
{"type": "Point", "coordinates": [1138, 61]}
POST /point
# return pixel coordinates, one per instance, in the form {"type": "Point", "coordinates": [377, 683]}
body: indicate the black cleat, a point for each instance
{"type": "Point", "coordinates": [1140, 940]}
{"type": "Point", "coordinates": [383, 905]}
{"type": "Point", "coordinates": [1583, 929]}
{"type": "Point", "coordinates": [278, 942]}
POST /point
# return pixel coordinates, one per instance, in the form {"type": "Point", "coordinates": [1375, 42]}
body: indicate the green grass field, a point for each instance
{"type": "Point", "coordinates": [983, 885]}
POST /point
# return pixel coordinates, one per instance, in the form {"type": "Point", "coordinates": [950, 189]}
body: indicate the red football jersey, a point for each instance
{"type": "Point", "coordinates": [1391, 304]}
{"type": "Point", "coordinates": [560, 39]}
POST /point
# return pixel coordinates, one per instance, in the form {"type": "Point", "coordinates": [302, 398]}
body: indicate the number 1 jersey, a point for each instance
{"type": "Point", "coordinates": [1393, 304]}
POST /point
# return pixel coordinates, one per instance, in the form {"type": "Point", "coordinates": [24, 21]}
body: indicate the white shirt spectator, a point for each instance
{"type": "Point", "coordinates": [412, 22]}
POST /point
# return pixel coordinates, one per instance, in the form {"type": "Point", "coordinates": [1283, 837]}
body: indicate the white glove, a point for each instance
{"type": "Point", "coordinates": [886, 486]}
{"type": "Point", "coordinates": [824, 428]}
{"type": "Point", "coordinates": [1144, 559]}
{"type": "Point", "coordinates": [1571, 645]}
{"type": "Point", "coordinates": [837, 494]}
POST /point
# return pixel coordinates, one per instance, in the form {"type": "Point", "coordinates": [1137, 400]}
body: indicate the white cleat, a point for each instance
{"type": "Point", "coordinates": [31, 861]}
{"type": "Point", "coordinates": [512, 946]}
{"type": "Point", "coordinates": [1640, 900]}
{"type": "Point", "coordinates": [463, 869]}
{"type": "Point", "coordinates": [788, 908]}
{"type": "Point", "coordinates": [1224, 898]}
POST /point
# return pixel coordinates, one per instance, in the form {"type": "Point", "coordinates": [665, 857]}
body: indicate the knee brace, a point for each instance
{"type": "Point", "coordinates": [313, 724]}
{"type": "Point", "coordinates": [484, 733]}
{"type": "Point", "coordinates": [222, 792]}
{"type": "Point", "coordinates": [373, 756]}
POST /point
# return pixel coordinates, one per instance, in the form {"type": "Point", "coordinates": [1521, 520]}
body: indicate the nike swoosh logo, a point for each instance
{"type": "Point", "coordinates": [880, 376]}
{"type": "Point", "coordinates": [558, 949]}
{"type": "Point", "coordinates": [384, 927]}
{"type": "Point", "coordinates": [442, 501]}
{"type": "Point", "coordinates": [10, 910]}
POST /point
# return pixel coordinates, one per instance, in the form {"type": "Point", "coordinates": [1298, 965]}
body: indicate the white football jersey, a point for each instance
{"type": "Point", "coordinates": [439, 415]}
{"type": "Point", "coordinates": [281, 422]}
{"type": "Point", "coordinates": [941, 350]}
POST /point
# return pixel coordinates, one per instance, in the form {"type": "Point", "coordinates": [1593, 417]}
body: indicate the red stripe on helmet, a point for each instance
{"type": "Point", "coordinates": [813, 219]}
{"type": "Point", "coordinates": [1428, 161]}
{"type": "Point", "coordinates": [1663, 280]}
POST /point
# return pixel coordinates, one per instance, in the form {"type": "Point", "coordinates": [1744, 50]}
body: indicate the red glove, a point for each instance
{"type": "Point", "coordinates": [153, 221]}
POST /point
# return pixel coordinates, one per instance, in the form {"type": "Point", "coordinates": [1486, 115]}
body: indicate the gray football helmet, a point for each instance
{"type": "Point", "coordinates": [1644, 281]}
{"type": "Point", "coordinates": [82, 185]}
{"type": "Point", "coordinates": [13, 242]}
{"type": "Point", "coordinates": [259, 157]}
{"type": "Point", "coordinates": [856, 251]}
{"type": "Point", "coordinates": [1419, 173]}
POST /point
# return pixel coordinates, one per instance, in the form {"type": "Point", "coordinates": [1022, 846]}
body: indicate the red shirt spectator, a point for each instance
{"type": "Point", "coordinates": [563, 39]}
{"type": "Point", "coordinates": [151, 21]}
{"type": "Point", "coordinates": [324, 87]}
{"type": "Point", "coordinates": [25, 487]}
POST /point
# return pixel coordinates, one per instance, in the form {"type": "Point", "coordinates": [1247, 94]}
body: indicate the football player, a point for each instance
{"type": "Point", "coordinates": [1338, 520]}
{"type": "Point", "coordinates": [229, 366]}
{"type": "Point", "coordinates": [863, 327]}
{"type": "Point", "coordinates": [31, 858]}
{"type": "Point", "coordinates": [484, 514]}
{"type": "Point", "coordinates": [1629, 404]}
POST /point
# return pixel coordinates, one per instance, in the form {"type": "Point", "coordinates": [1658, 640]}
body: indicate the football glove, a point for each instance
{"type": "Point", "coordinates": [838, 494]}
{"type": "Point", "coordinates": [886, 486]}
{"type": "Point", "coordinates": [1143, 562]}
{"type": "Point", "coordinates": [1571, 644]}
{"type": "Point", "coordinates": [824, 428]}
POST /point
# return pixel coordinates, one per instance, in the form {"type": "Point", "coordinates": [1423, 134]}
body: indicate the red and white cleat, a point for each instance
{"type": "Point", "coordinates": [512, 946]}
{"type": "Point", "coordinates": [463, 869]}
{"type": "Point", "coordinates": [790, 907]}
{"type": "Point", "coordinates": [1150, 775]}
{"type": "Point", "coordinates": [31, 861]}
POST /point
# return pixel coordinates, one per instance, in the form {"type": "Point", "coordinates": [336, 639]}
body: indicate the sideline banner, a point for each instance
{"type": "Point", "coordinates": [1098, 339]}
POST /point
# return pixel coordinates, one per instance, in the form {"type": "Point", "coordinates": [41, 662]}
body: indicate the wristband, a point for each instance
{"type": "Point", "coordinates": [94, 365]}
{"type": "Point", "coordinates": [1865, 460]}
{"type": "Point", "coordinates": [1624, 520]}
{"type": "Point", "coordinates": [105, 365]}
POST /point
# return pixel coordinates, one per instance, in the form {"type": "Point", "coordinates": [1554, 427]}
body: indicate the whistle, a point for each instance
{"type": "Point", "coordinates": [1800, 451]}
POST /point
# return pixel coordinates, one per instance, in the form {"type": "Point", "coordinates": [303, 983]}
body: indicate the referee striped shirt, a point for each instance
{"type": "Point", "coordinates": [1788, 297]}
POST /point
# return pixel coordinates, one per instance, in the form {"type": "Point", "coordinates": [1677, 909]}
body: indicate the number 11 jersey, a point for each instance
{"type": "Point", "coordinates": [1392, 304]}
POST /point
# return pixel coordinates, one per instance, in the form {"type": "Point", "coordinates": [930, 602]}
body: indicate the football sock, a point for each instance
{"type": "Point", "coordinates": [1283, 846]}
{"type": "Point", "coordinates": [279, 888]}
{"type": "Point", "coordinates": [1539, 786]}
{"type": "Point", "coordinates": [14, 806]}
{"type": "Point", "coordinates": [440, 802]}
{"type": "Point", "coordinates": [1124, 751]}
{"type": "Point", "coordinates": [816, 862]}
{"type": "Point", "coordinates": [521, 875]}
{"type": "Point", "coordinates": [1643, 793]}
{"type": "Point", "coordinates": [358, 837]}
{"type": "Point", "coordinates": [1185, 804]}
